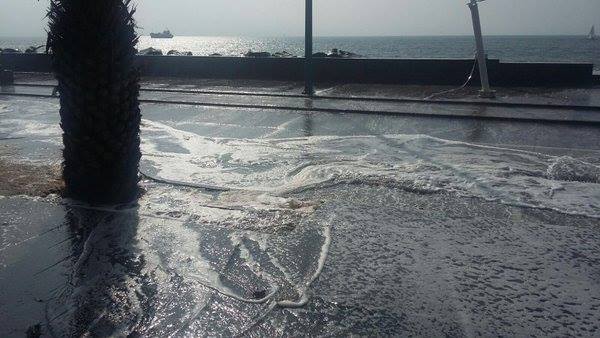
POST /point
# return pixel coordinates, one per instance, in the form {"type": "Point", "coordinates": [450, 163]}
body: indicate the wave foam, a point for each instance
{"type": "Point", "coordinates": [566, 168]}
{"type": "Point", "coordinates": [416, 163]}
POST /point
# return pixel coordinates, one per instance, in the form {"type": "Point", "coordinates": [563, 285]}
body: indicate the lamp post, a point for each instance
{"type": "Point", "coordinates": [308, 50]}
{"type": "Point", "coordinates": [486, 91]}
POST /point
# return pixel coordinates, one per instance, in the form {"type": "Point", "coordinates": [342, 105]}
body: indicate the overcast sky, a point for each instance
{"type": "Point", "coordinates": [21, 18]}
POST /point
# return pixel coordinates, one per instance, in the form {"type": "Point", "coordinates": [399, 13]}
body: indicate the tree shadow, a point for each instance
{"type": "Point", "coordinates": [102, 296]}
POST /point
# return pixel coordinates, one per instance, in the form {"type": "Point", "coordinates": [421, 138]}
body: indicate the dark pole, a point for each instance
{"type": "Point", "coordinates": [308, 51]}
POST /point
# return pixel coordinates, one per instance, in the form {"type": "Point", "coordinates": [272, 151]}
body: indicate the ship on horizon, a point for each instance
{"type": "Point", "coordinates": [166, 34]}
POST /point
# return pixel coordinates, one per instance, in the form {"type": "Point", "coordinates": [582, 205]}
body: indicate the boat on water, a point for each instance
{"type": "Point", "coordinates": [592, 35]}
{"type": "Point", "coordinates": [164, 35]}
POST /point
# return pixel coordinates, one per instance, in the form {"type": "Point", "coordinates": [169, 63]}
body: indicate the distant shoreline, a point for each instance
{"type": "Point", "coordinates": [508, 48]}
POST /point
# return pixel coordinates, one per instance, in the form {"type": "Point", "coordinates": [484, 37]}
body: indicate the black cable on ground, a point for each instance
{"type": "Point", "coordinates": [469, 78]}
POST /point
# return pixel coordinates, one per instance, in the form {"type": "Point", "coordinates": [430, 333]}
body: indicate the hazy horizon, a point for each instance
{"type": "Point", "coordinates": [334, 18]}
{"type": "Point", "coordinates": [332, 36]}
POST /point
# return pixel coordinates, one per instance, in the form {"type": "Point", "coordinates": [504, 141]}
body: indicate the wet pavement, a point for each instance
{"type": "Point", "coordinates": [553, 105]}
{"type": "Point", "coordinates": [333, 225]}
{"type": "Point", "coordinates": [533, 95]}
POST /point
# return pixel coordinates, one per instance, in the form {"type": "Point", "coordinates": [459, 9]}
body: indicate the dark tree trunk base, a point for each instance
{"type": "Point", "coordinates": [93, 49]}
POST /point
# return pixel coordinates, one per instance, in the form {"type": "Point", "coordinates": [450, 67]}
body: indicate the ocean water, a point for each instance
{"type": "Point", "coordinates": [505, 48]}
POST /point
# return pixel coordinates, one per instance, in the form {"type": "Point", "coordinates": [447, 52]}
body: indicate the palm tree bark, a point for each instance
{"type": "Point", "coordinates": [92, 43]}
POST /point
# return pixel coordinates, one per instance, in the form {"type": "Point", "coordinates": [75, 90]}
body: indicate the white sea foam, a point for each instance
{"type": "Point", "coordinates": [25, 118]}
{"type": "Point", "coordinates": [201, 237]}
{"type": "Point", "coordinates": [263, 175]}
{"type": "Point", "coordinates": [27, 128]}
{"type": "Point", "coordinates": [566, 168]}
{"type": "Point", "coordinates": [3, 108]}
{"type": "Point", "coordinates": [416, 163]}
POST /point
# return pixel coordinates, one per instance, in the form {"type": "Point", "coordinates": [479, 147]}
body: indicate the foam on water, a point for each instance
{"type": "Point", "coordinates": [273, 168]}
{"type": "Point", "coordinates": [27, 119]}
{"type": "Point", "coordinates": [186, 242]}
{"type": "Point", "coordinates": [416, 163]}
{"type": "Point", "coordinates": [258, 242]}
{"type": "Point", "coordinates": [24, 128]}
{"type": "Point", "coordinates": [566, 168]}
{"type": "Point", "coordinates": [3, 108]}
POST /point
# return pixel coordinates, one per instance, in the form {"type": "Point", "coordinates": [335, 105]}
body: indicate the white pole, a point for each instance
{"type": "Point", "coordinates": [486, 91]}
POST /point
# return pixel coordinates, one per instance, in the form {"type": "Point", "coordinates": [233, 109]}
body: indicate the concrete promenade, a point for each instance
{"type": "Point", "coordinates": [399, 217]}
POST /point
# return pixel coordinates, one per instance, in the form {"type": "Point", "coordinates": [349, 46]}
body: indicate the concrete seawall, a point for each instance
{"type": "Point", "coordinates": [385, 71]}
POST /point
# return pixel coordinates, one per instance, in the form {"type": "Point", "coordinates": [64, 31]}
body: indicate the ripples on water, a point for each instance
{"type": "Point", "coordinates": [506, 48]}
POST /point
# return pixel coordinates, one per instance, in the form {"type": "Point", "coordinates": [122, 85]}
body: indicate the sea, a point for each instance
{"type": "Point", "coordinates": [505, 48]}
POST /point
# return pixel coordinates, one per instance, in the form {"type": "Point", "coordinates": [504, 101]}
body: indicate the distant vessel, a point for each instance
{"type": "Point", "coordinates": [592, 35]}
{"type": "Point", "coordinates": [164, 35]}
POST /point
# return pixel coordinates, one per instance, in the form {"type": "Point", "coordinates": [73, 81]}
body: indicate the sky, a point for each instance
{"type": "Point", "coordinates": [25, 18]}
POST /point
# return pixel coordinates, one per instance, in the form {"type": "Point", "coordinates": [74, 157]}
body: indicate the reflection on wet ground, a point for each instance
{"type": "Point", "coordinates": [326, 225]}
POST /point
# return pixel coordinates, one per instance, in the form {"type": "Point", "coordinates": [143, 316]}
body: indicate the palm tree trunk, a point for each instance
{"type": "Point", "coordinates": [93, 47]}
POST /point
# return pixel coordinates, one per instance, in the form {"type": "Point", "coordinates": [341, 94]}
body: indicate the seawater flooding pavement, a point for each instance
{"type": "Point", "coordinates": [323, 224]}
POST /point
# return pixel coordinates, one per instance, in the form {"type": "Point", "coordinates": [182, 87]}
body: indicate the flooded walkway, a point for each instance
{"type": "Point", "coordinates": [275, 222]}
